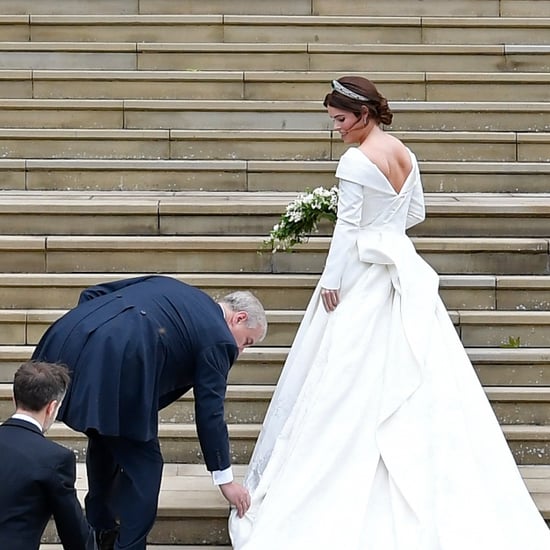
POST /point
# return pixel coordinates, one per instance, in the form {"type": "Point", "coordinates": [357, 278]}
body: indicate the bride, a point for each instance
{"type": "Point", "coordinates": [379, 435]}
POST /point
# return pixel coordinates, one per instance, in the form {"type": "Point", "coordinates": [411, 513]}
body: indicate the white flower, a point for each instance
{"type": "Point", "coordinates": [301, 217]}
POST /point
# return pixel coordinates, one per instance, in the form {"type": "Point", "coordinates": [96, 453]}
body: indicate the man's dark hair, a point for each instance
{"type": "Point", "coordinates": [36, 384]}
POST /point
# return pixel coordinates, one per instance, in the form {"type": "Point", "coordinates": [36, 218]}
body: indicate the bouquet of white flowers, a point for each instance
{"type": "Point", "coordinates": [302, 216]}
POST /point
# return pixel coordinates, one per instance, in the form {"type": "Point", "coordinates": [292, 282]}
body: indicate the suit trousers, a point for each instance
{"type": "Point", "coordinates": [124, 478]}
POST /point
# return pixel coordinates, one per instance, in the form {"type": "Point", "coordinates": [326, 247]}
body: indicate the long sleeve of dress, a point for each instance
{"type": "Point", "coordinates": [417, 211]}
{"type": "Point", "coordinates": [350, 202]}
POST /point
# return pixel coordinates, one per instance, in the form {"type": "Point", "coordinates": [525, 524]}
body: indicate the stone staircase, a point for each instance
{"type": "Point", "coordinates": [168, 135]}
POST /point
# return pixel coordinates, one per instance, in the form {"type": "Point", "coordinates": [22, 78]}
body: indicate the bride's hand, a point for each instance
{"type": "Point", "coordinates": [331, 298]}
{"type": "Point", "coordinates": [236, 495]}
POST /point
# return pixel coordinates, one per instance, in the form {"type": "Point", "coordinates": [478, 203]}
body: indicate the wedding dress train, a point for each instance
{"type": "Point", "coordinates": [379, 435]}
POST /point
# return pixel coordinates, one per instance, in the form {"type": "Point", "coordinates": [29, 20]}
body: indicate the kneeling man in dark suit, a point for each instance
{"type": "Point", "coordinates": [133, 347]}
{"type": "Point", "coordinates": [37, 475]}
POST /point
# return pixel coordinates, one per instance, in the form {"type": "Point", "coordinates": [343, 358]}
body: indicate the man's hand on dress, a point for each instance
{"type": "Point", "coordinates": [236, 495]}
{"type": "Point", "coordinates": [331, 298]}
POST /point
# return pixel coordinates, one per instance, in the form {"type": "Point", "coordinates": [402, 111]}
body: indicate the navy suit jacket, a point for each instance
{"type": "Point", "coordinates": [37, 479]}
{"type": "Point", "coordinates": [136, 345]}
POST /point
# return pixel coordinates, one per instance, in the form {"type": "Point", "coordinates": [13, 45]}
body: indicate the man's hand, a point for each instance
{"type": "Point", "coordinates": [236, 495]}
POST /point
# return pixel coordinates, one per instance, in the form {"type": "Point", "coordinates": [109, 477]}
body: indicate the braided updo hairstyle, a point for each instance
{"type": "Point", "coordinates": [375, 102]}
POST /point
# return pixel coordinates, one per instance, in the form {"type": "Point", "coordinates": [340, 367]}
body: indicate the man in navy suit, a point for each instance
{"type": "Point", "coordinates": [37, 475]}
{"type": "Point", "coordinates": [133, 347]}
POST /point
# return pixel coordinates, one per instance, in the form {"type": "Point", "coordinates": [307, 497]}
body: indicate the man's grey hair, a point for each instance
{"type": "Point", "coordinates": [244, 300]}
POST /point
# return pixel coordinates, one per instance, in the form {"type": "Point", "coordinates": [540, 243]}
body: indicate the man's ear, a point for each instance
{"type": "Point", "coordinates": [242, 316]}
{"type": "Point", "coordinates": [51, 408]}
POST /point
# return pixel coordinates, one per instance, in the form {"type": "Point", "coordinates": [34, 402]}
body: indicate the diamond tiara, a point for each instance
{"type": "Point", "coordinates": [341, 89]}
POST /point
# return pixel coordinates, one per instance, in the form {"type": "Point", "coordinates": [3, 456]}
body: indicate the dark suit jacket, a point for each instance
{"type": "Point", "coordinates": [37, 479]}
{"type": "Point", "coordinates": [135, 346]}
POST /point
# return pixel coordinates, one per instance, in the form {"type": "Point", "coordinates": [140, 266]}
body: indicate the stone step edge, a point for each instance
{"type": "Point", "coordinates": [281, 77]}
{"type": "Point", "coordinates": [526, 356]}
{"type": "Point", "coordinates": [290, 7]}
{"type": "Point", "coordinates": [309, 48]}
{"type": "Point", "coordinates": [219, 198]}
{"type": "Point", "coordinates": [262, 202]}
{"type": "Point", "coordinates": [81, 280]}
{"type": "Point", "coordinates": [254, 243]}
{"type": "Point", "coordinates": [459, 317]}
{"type": "Point", "coordinates": [258, 105]}
{"type": "Point", "coordinates": [263, 137]}
{"type": "Point", "coordinates": [278, 20]}
{"type": "Point", "coordinates": [450, 136]}
{"type": "Point", "coordinates": [251, 393]}
{"type": "Point", "coordinates": [306, 166]}
{"type": "Point", "coordinates": [237, 432]}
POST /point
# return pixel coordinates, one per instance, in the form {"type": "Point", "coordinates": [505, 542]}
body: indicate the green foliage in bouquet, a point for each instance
{"type": "Point", "coordinates": [302, 217]}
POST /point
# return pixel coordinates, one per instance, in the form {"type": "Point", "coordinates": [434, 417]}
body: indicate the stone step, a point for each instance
{"type": "Point", "coordinates": [247, 404]}
{"type": "Point", "coordinates": [303, 56]}
{"type": "Point", "coordinates": [191, 511]}
{"type": "Point", "coordinates": [484, 214]}
{"type": "Point", "coordinates": [477, 329]}
{"type": "Point", "coordinates": [484, 177]}
{"type": "Point", "coordinates": [483, 292]}
{"type": "Point", "coordinates": [26, 290]}
{"type": "Point", "coordinates": [192, 514]}
{"type": "Point", "coordinates": [519, 405]}
{"type": "Point", "coordinates": [494, 366]}
{"type": "Point", "coordinates": [264, 115]}
{"type": "Point", "coordinates": [275, 29]}
{"type": "Point", "coordinates": [267, 85]}
{"type": "Point", "coordinates": [530, 444]}
{"type": "Point", "coordinates": [238, 213]}
{"type": "Point", "coordinates": [249, 254]}
{"type": "Point", "coordinates": [527, 329]}
{"type": "Point", "coordinates": [187, 491]}
{"type": "Point", "coordinates": [154, 176]}
{"type": "Point", "coordinates": [480, 8]}
{"type": "Point", "coordinates": [273, 145]}
{"type": "Point", "coordinates": [453, 29]}
{"type": "Point", "coordinates": [503, 328]}
{"type": "Point", "coordinates": [279, 291]}
{"type": "Point", "coordinates": [214, 28]}
{"type": "Point", "coordinates": [529, 367]}
{"type": "Point", "coordinates": [187, 496]}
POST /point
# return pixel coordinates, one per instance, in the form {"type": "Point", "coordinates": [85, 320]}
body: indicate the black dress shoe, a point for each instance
{"type": "Point", "coordinates": [106, 538]}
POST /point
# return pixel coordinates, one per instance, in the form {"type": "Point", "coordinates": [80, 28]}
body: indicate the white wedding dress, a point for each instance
{"type": "Point", "coordinates": [379, 435]}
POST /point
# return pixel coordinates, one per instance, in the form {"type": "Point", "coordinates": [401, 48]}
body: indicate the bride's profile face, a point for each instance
{"type": "Point", "coordinates": [347, 124]}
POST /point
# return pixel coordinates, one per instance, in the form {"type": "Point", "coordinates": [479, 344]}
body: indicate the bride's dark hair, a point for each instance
{"type": "Point", "coordinates": [373, 100]}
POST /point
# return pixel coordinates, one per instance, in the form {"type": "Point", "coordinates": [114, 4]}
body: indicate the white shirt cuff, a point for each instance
{"type": "Point", "coordinates": [219, 477]}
